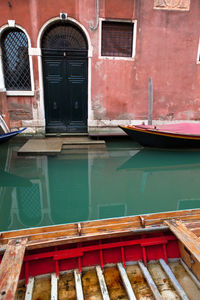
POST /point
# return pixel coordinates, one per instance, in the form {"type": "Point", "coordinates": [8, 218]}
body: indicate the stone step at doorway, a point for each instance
{"type": "Point", "coordinates": [54, 145]}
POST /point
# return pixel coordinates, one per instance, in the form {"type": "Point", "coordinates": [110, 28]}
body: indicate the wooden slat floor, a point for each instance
{"type": "Point", "coordinates": [135, 281]}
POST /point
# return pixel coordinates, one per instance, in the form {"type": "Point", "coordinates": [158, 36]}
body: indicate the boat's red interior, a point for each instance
{"type": "Point", "coordinates": [77, 255]}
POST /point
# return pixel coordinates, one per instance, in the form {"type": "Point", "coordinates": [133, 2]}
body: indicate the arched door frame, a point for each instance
{"type": "Point", "coordinates": [90, 50]}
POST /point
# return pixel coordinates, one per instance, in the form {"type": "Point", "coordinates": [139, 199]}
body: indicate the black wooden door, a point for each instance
{"type": "Point", "coordinates": [65, 93]}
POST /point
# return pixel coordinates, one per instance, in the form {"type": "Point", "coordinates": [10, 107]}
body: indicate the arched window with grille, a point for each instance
{"type": "Point", "coordinates": [15, 59]}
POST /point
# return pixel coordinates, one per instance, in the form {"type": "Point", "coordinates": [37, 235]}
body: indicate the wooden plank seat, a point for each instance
{"type": "Point", "coordinates": [186, 236]}
{"type": "Point", "coordinates": [10, 268]}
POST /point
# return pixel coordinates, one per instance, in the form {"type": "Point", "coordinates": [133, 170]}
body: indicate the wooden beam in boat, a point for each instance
{"type": "Point", "coordinates": [193, 224]}
{"type": "Point", "coordinates": [102, 284]}
{"type": "Point", "coordinates": [150, 281]}
{"type": "Point", "coordinates": [126, 282]}
{"type": "Point", "coordinates": [10, 268]}
{"type": "Point", "coordinates": [78, 284]}
{"type": "Point", "coordinates": [93, 230]}
{"type": "Point", "coordinates": [90, 228]}
{"type": "Point", "coordinates": [29, 288]}
{"type": "Point", "coordinates": [54, 287]}
{"type": "Point", "coordinates": [186, 236]}
{"type": "Point", "coordinates": [157, 218]}
{"type": "Point", "coordinates": [173, 280]}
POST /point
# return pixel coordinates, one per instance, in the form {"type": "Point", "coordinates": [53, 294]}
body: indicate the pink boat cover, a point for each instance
{"type": "Point", "coordinates": [182, 128]}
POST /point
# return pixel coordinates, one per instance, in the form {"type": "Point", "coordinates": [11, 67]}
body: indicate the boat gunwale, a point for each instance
{"type": "Point", "coordinates": [163, 133]}
{"type": "Point", "coordinates": [10, 134]}
{"type": "Point", "coordinates": [148, 216]}
{"type": "Point", "coordinates": [143, 223]}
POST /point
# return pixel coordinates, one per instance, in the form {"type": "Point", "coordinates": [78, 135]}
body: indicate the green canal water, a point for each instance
{"type": "Point", "coordinates": [119, 180]}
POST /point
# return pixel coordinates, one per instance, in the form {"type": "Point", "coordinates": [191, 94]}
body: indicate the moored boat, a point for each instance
{"type": "Point", "coordinates": [155, 256]}
{"type": "Point", "coordinates": [5, 137]}
{"type": "Point", "coordinates": [182, 135]}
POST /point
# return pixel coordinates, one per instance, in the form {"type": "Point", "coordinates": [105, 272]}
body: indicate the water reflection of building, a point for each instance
{"type": "Point", "coordinates": [25, 202]}
{"type": "Point", "coordinates": [94, 185]}
{"type": "Point", "coordinates": [44, 190]}
{"type": "Point", "coordinates": [128, 182]}
{"type": "Point", "coordinates": [117, 45]}
{"type": "Point", "coordinates": [30, 204]}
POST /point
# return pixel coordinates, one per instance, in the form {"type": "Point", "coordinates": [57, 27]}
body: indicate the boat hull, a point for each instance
{"type": "Point", "coordinates": [151, 138]}
{"type": "Point", "coordinates": [7, 136]}
{"type": "Point", "coordinates": [118, 243]}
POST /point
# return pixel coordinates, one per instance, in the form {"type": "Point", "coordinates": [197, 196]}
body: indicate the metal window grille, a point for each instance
{"type": "Point", "coordinates": [117, 39]}
{"type": "Point", "coordinates": [64, 36]}
{"type": "Point", "coordinates": [15, 58]}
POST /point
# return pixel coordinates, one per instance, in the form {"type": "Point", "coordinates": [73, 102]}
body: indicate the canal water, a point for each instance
{"type": "Point", "coordinates": [119, 180]}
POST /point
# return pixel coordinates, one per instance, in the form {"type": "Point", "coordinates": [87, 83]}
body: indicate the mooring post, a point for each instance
{"type": "Point", "coordinates": [150, 101]}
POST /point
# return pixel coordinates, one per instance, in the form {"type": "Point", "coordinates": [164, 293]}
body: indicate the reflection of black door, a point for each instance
{"type": "Point", "coordinates": [69, 194]}
{"type": "Point", "coordinates": [65, 87]}
{"type": "Point", "coordinates": [65, 74]}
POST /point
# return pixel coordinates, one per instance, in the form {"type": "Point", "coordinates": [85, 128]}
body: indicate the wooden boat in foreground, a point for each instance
{"type": "Point", "coordinates": [153, 256]}
{"type": "Point", "coordinates": [7, 136]}
{"type": "Point", "coordinates": [183, 135]}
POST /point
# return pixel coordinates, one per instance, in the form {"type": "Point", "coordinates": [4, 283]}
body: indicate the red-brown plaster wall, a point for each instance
{"type": "Point", "coordinates": [120, 9]}
{"type": "Point", "coordinates": [167, 43]}
{"type": "Point", "coordinates": [32, 14]}
{"type": "Point", "coordinates": [20, 108]}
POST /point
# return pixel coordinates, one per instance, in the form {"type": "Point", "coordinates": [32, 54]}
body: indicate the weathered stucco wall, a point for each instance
{"type": "Point", "coordinates": [166, 50]}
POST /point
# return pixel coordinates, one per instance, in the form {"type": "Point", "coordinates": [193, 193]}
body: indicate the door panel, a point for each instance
{"type": "Point", "coordinates": [65, 90]}
{"type": "Point", "coordinates": [54, 89]}
{"type": "Point", "coordinates": [77, 94]}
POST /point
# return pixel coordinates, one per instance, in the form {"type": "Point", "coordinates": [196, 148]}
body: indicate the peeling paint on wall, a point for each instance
{"type": "Point", "coordinates": [98, 65]}
{"type": "Point", "coordinates": [99, 110]}
{"type": "Point", "coordinates": [20, 110]}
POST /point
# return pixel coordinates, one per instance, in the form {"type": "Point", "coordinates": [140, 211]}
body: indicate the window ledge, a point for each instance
{"type": "Point", "coordinates": [117, 58]}
{"type": "Point", "coordinates": [20, 93]}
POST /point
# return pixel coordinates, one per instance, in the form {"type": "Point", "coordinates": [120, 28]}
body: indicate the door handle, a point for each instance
{"type": "Point", "coordinates": [54, 105]}
{"type": "Point", "coordinates": [76, 105]}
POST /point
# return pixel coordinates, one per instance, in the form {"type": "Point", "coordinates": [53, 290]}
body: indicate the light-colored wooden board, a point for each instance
{"type": "Point", "coordinates": [186, 236]}
{"type": "Point", "coordinates": [126, 282]}
{"type": "Point", "coordinates": [150, 281]}
{"type": "Point", "coordinates": [173, 280]}
{"type": "Point", "coordinates": [10, 268]}
{"type": "Point", "coordinates": [102, 283]}
{"type": "Point", "coordinates": [78, 285]}
{"type": "Point", "coordinates": [29, 288]}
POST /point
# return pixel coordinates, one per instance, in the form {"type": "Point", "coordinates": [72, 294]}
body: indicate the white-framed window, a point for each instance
{"type": "Point", "coordinates": [117, 39]}
{"type": "Point", "coordinates": [16, 63]}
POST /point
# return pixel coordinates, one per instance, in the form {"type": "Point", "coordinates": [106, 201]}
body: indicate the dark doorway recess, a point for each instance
{"type": "Point", "coordinates": [65, 75]}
